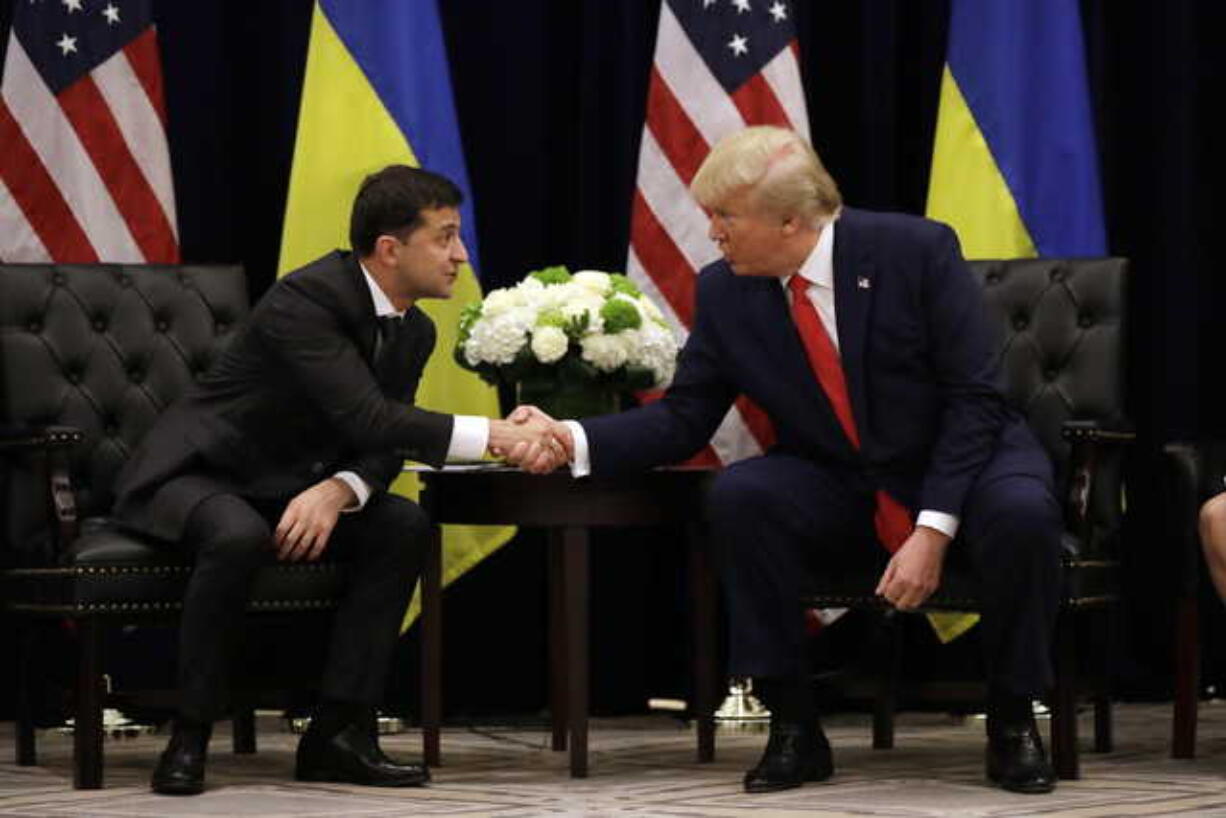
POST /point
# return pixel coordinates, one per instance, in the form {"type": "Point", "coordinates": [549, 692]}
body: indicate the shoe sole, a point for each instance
{"type": "Point", "coordinates": [809, 777]}
{"type": "Point", "coordinates": [333, 777]}
{"type": "Point", "coordinates": [177, 789]}
{"type": "Point", "coordinates": [1026, 789]}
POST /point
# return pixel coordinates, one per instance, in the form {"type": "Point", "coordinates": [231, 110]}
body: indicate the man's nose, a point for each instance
{"type": "Point", "coordinates": [460, 253]}
{"type": "Point", "coordinates": [714, 233]}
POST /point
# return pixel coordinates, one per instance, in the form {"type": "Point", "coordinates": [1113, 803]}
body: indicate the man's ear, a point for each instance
{"type": "Point", "coordinates": [791, 224]}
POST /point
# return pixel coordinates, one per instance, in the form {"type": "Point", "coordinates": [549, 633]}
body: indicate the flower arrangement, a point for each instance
{"type": "Point", "coordinates": [558, 332]}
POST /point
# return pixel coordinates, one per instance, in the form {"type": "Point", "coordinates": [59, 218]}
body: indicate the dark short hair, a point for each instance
{"type": "Point", "coordinates": [390, 202]}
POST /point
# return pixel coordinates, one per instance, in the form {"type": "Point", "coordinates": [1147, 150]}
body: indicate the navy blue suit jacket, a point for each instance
{"type": "Point", "coordinates": [918, 354]}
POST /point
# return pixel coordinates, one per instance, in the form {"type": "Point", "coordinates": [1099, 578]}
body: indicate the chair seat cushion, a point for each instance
{"type": "Point", "coordinates": [1085, 583]}
{"type": "Point", "coordinates": [110, 570]}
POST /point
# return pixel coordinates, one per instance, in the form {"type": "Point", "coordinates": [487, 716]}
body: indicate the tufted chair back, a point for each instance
{"type": "Point", "coordinates": [1061, 326]}
{"type": "Point", "coordinates": [103, 349]}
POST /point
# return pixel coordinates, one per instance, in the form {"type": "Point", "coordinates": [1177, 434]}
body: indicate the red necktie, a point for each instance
{"type": "Point", "coordinates": [891, 518]}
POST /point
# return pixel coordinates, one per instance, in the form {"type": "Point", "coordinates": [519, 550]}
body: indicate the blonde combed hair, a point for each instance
{"type": "Point", "coordinates": [782, 169]}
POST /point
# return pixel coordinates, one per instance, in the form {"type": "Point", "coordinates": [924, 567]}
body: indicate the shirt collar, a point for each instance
{"type": "Point", "coordinates": [383, 304]}
{"type": "Point", "coordinates": [819, 266]}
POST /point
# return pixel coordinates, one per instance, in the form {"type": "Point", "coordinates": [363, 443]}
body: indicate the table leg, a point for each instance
{"type": "Point", "coordinates": [557, 641]}
{"type": "Point", "coordinates": [432, 646]}
{"type": "Point", "coordinates": [703, 626]}
{"type": "Point", "coordinates": [575, 580]}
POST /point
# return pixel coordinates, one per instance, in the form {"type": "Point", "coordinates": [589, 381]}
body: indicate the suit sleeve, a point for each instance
{"type": "Point", "coordinates": [678, 425]}
{"type": "Point", "coordinates": [964, 360]}
{"type": "Point", "coordinates": [305, 338]}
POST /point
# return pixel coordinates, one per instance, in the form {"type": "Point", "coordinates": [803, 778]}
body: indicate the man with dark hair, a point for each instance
{"type": "Point", "coordinates": [286, 447]}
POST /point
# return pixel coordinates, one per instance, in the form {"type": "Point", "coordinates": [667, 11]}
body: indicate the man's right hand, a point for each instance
{"type": "Point", "coordinates": [554, 449]}
{"type": "Point", "coordinates": [523, 434]}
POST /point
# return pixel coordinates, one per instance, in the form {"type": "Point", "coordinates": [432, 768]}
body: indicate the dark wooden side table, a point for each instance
{"type": "Point", "coordinates": [568, 509]}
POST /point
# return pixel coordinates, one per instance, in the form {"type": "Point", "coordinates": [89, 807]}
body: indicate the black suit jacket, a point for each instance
{"type": "Point", "coordinates": [293, 399]}
{"type": "Point", "coordinates": [918, 354]}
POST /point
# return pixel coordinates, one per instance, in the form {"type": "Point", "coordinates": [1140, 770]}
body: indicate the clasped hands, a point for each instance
{"type": "Point", "coordinates": [532, 440]}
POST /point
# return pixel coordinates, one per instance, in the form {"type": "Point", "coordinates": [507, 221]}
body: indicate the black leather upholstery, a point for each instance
{"type": "Point", "coordinates": [90, 355]}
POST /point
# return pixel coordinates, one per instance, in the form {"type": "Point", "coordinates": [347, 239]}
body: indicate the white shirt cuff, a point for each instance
{"type": "Point", "coordinates": [470, 435]}
{"type": "Point", "coordinates": [361, 490]}
{"type": "Point", "coordinates": [947, 524]}
{"type": "Point", "coordinates": [581, 466]}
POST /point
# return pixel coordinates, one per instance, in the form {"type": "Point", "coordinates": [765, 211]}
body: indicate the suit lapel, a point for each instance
{"type": "Point", "coordinates": [854, 274]}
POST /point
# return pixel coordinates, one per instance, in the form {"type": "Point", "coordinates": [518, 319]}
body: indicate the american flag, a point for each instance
{"type": "Point", "coordinates": [720, 65]}
{"type": "Point", "coordinates": [85, 170]}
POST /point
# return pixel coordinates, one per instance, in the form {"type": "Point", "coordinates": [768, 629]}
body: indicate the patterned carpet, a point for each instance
{"type": "Point", "coordinates": [646, 767]}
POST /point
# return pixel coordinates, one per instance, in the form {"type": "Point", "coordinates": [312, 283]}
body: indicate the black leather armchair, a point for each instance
{"type": "Point", "coordinates": [1194, 473]}
{"type": "Point", "coordinates": [1061, 325]}
{"type": "Point", "coordinates": [89, 356]}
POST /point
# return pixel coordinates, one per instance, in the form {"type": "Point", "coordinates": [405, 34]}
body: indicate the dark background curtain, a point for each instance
{"type": "Point", "coordinates": [550, 95]}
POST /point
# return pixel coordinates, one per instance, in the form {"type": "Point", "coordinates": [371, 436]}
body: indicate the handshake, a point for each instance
{"type": "Point", "coordinates": [532, 440]}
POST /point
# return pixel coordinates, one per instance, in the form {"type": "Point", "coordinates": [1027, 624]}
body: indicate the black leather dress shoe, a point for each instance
{"type": "Point", "coordinates": [353, 757]}
{"type": "Point", "coordinates": [795, 753]}
{"type": "Point", "coordinates": [180, 770]}
{"type": "Point", "coordinates": [1016, 760]}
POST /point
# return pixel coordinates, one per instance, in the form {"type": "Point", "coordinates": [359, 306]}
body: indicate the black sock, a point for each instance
{"type": "Point", "coordinates": [334, 715]}
{"type": "Point", "coordinates": [192, 733]}
{"type": "Point", "coordinates": [787, 697]}
{"type": "Point", "coordinates": [1010, 708]}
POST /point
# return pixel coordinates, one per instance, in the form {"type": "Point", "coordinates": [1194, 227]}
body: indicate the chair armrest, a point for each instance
{"type": "Point", "coordinates": [53, 443]}
{"type": "Point", "coordinates": [1094, 503]}
{"type": "Point", "coordinates": [1184, 467]}
{"type": "Point", "coordinates": [31, 438]}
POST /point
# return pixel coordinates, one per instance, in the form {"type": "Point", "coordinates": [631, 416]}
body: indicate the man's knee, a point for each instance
{"type": "Point", "coordinates": [226, 529]}
{"type": "Point", "coordinates": [1022, 516]}
{"type": "Point", "coordinates": [740, 494]}
{"type": "Point", "coordinates": [1213, 526]}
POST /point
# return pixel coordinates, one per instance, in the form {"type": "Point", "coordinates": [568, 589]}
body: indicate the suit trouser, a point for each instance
{"type": "Point", "coordinates": [232, 538]}
{"type": "Point", "coordinates": [777, 518]}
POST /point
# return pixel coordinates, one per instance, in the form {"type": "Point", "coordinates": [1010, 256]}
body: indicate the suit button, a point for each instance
{"type": "Point", "coordinates": [317, 468]}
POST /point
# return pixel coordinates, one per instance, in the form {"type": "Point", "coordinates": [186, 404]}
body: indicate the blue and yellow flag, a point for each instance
{"type": "Point", "coordinates": [377, 91]}
{"type": "Point", "coordinates": [1014, 167]}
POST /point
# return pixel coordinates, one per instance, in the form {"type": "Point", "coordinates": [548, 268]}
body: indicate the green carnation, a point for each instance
{"type": "Point", "coordinates": [621, 283]}
{"type": "Point", "coordinates": [552, 317]}
{"type": "Point", "coordinates": [619, 314]}
{"type": "Point", "coordinates": [557, 274]}
{"type": "Point", "coordinates": [469, 316]}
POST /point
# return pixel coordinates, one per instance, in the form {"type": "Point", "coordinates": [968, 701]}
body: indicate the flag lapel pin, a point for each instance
{"type": "Point", "coordinates": [863, 283]}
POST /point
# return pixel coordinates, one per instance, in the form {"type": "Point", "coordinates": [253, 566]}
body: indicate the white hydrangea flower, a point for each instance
{"type": "Point", "coordinates": [655, 348]}
{"type": "Point", "coordinates": [498, 302]}
{"type": "Point", "coordinates": [549, 344]}
{"type": "Point", "coordinates": [649, 310]}
{"type": "Point", "coordinates": [605, 352]}
{"type": "Point", "coordinates": [529, 292]}
{"type": "Point", "coordinates": [586, 302]}
{"type": "Point", "coordinates": [593, 280]}
{"type": "Point", "coordinates": [498, 339]}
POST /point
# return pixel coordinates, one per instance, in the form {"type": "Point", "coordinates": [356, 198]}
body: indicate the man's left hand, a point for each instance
{"type": "Point", "coordinates": [914, 571]}
{"type": "Point", "coordinates": [308, 520]}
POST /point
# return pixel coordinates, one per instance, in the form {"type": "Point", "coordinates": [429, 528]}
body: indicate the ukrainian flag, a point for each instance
{"type": "Point", "coordinates": [377, 91]}
{"type": "Point", "coordinates": [1014, 167]}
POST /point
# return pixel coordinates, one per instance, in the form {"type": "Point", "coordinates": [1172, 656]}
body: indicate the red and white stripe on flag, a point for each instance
{"type": "Point", "coordinates": [720, 65]}
{"type": "Point", "coordinates": [85, 171]}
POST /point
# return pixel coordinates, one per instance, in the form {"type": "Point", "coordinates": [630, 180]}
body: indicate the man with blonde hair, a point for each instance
{"type": "Point", "coordinates": [865, 339]}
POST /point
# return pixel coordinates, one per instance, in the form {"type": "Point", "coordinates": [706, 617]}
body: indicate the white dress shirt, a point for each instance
{"type": "Point", "coordinates": [818, 269]}
{"type": "Point", "coordinates": [469, 435]}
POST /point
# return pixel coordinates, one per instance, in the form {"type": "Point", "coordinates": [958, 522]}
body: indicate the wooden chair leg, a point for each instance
{"type": "Point", "coordinates": [1187, 679]}
{"type": "Point", "coordinates": [885, 703]}
{"type": "Point", "coordinates": [27, 752]}
{"type": "Point", "coordinates": [243, 725]}
{"type": "Point", "coordinates": [575, 573]}
{"type": "Point", "coordinates": [432, 647]}
{"type": "Point", "coordinates": [1104, 737]}
{"type": "Point", "coordinates": [703, 614]}
{"type": "Point", "coordinates": [87, 729]}
{"type": "Point", "coordinates": [1064, 700]}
